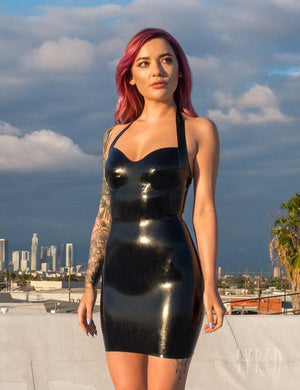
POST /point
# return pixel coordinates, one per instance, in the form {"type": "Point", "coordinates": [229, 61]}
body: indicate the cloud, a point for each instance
{"type": "Point", "coordinates": [287, 58]}
{"type": "Point", "coordinates": [258, 105]}
{"type": "Point", "coordinates": [6, 128]}
{"type": "Point", "coordinates": [230, 45]}
{"type": "Point", "coordinates": [200, 65]}
{"type": "Point", "coordinates": [292, 71]}
{"type": "Point", "coordinates": [111, 47]}
{"type": "Point", "coordinates": [287, 4]}
{"type": "Point", "coordinates": [63, 54]}
{"type": "Point", "coordinates": [42, 150]}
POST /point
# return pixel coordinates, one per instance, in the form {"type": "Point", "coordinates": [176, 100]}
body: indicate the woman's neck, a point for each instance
{"type": "Point", "coordinates": [154, 111]}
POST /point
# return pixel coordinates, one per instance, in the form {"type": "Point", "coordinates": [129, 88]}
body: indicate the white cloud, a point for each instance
{"type": "Point", "coordinates": [11, 81]}
{"type": "Point", "coordinates": [111, 47]}
{"type": "Point", "coordinates": [200, 65]}
{"type": "Point", "coordinates": [64, 54]}
{"type": "Point", "coordinates": [287, 4]}
{"type": "Point", "coordinates": [102, 11]}
{"type": "Point", "coordinates": [42, 150]}
{"type": "Point", "coordinates": [296, 74]}
{"type": "Point", "coordinates": [259, 96]}
{"type": "Point", "coordinates": [257, 105]}
{"type": "Point", "coordinates": [6, 128]}
{"type": "Point", "coordinates": [287, 58]}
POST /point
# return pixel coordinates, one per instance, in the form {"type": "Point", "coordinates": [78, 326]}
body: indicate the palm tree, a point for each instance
{"type": "Point", "coordinates": [285, 245]}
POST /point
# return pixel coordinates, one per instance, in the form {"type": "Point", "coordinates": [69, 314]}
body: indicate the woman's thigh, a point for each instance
{"type": "Point", "coordinates": [128, 370]}
{"type": "Point", "coordinates": [167, 374]}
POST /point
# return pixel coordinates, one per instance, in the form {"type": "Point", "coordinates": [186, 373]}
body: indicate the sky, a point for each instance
{"type": "Point", "coordinates": [57, 98]}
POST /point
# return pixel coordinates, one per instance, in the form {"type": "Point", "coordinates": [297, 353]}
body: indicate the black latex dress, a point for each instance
{"type": "Point", "coordinates": [152, 281]}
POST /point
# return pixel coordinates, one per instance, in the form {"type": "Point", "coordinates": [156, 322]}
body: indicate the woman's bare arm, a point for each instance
{"type": "Point", "coordinates": [101, 227]}
{"type": "Point", "coordinates": [97, 251]}
{"type": "Point", "coordinates": [206, 165]}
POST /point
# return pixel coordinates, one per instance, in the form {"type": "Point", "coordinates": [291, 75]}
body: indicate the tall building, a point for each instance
{"type": "Point", "coordinates": [3, 254]}
{"type": "Point", "coordinates": [220, 272]}
{"type": "Point", "coordinates": [43, 254]}
{"type": "Point", "coordinates": [34, 266]}
{"type": "Point", "coordinates": [69, 255]}
{"type": "Point", "coordinates": [25, 260]}
{"type": "Point", "coordinates": [15, 259]}
{"type": "Point", "coordinates": [53, 257]}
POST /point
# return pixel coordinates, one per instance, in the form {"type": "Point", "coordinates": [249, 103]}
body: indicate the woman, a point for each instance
{"type": "Point", "coordinates": [154, 288]}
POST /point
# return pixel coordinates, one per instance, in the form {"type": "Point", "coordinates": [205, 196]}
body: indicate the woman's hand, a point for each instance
{"type": "Point", "coordinates": [85, 311]}
{"type": "Point", "coordinates": [213, 306]}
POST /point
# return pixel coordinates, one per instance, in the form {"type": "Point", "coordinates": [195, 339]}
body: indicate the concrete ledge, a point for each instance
{"type": "Point", "coordinates": [50, 352]}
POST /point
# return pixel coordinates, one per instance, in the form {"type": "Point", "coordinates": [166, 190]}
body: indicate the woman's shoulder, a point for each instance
{"type": "Point", "coordinates": [199, 122]}
{"type": "Point", "coordinates": [200, 126]}
{"type": "Point", "coordinates": [111, 133]}
{"type": "Point", "coordinates": [114, 130]}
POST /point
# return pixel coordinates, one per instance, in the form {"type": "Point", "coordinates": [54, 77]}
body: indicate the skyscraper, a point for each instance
{"type": "Point", "coordinates": [34, 250]}
{"type": "Point", "coordinates": [25, 259]}
{"type": "Point", "coordinates": [3, 254]}
{"type": "Point", "coordinates": [43, 254]}
{"type": "Point", "coordinates": [53, 257]}
{"type": "Point", "coordinates": [69, 255]}
{"type": "Point", "coordinates": [15, 258]}
{"type": "Point", "coordinates": [220, 272]}
{"type": "Point", "coordinates": [43, 264]}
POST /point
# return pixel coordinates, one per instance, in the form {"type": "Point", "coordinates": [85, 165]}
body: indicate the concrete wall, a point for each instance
{"type": "Point", "coordinates": [50, 352]}
{"type": "Point", "coordinates": [42, 285]}
{"type": "Point", "coordinates": [59, 295]}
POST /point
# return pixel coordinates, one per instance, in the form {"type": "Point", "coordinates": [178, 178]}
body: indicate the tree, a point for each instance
{"type": "Point", "coordinates": [285, 245]}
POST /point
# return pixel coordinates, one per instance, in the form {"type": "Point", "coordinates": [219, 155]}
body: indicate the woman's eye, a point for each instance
{"type": "Point", "coordinates": [144, 63]}
{"type": "Point", "coordinates": [167, 60]}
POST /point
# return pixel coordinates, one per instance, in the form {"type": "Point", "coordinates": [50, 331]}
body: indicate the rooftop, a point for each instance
{"type": "Point", "coordinates": [44, 351]}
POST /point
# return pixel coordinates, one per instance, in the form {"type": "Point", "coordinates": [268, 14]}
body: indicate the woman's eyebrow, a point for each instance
{"type": "Point", "coordinates": [147, 58]}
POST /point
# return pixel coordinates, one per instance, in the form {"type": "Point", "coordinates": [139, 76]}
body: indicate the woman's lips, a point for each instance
{"type": "Point", "coordinates": [159, 84]}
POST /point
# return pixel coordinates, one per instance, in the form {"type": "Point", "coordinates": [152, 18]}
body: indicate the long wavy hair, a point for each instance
{"type": "Point", "coordinates": [131, 103]}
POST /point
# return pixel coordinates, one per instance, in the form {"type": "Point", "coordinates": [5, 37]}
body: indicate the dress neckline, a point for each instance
{"type": "Point", "coordinates": [152, 151]}
{"type": "Point", "coordinates": [181, 147]}
{"type": "Point", "coordinates": [166, 148]}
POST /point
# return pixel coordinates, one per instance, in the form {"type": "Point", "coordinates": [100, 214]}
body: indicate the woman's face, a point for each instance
{"type": "Point", "coordinates": [155, 70]}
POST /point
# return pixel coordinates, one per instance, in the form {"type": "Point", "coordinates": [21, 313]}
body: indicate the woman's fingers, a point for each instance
{"type": "Point", "coordinates": [214, 310]}
{"type": "Point", "coordinates": [210, 318]}
{"type": "Point", "coordinates": [214, 323]}
{"type": "Point", "coordinates": [91, 326]}
{"type": "Point", "coordinates": [89, 313]}
{"type": "Point", "coordinates": [85, 313]}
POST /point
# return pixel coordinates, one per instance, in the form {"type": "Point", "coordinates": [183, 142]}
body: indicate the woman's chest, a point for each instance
{"type": "Point", "coordinates": [158, 170]}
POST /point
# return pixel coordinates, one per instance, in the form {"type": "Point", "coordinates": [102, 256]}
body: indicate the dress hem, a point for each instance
{"type": "Point", "coordinates": [163, 356]}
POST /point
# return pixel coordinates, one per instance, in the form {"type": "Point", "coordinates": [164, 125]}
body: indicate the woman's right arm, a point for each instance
{"type": "Point", "coordinates": [97, 250]}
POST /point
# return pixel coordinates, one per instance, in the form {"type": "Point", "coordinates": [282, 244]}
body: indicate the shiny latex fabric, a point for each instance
{"type": "Point", "coordinates": [152, 280]}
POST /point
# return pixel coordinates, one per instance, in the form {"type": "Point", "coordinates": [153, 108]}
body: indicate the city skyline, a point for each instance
{"type": "Point", "coordinates": [55, 106]}
{"type": "Point", "coordinates": [69, 248]}
{"type": "Point", "coordinates": [40, 258]}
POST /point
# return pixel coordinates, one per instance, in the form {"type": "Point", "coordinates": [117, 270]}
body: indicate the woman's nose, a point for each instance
{"type": "Point", "coordinates": [157, 69]}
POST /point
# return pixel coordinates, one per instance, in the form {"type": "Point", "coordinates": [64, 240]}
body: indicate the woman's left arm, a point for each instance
{"type": "Point", "coordinates": [206, 163]}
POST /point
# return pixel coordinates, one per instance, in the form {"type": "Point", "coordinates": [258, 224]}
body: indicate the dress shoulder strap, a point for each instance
{"type": "Point", "coordinates": [182, 148]}
{"type": "Point", "coordinates": [119, 135]}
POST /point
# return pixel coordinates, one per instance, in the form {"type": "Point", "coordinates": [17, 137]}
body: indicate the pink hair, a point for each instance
{"type": "Point", "coordinates": [131, 102]}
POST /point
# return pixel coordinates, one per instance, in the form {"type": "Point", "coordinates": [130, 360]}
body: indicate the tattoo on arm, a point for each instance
{"type": "Point", "coordinates": [101, 227]}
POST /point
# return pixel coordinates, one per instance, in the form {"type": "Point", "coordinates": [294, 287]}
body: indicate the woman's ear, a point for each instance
{"type": "Point", "coordinates": [131, 82]}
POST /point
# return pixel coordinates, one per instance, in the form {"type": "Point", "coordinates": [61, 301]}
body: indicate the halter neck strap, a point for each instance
{"type": "Point", "coordinates": [182, 148]}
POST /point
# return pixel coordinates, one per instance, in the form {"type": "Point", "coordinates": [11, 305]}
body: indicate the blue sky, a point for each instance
{"type": "Point", "coordinates": [57, 97]}
{"type": "Point", "coordinates": [35, 7]}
